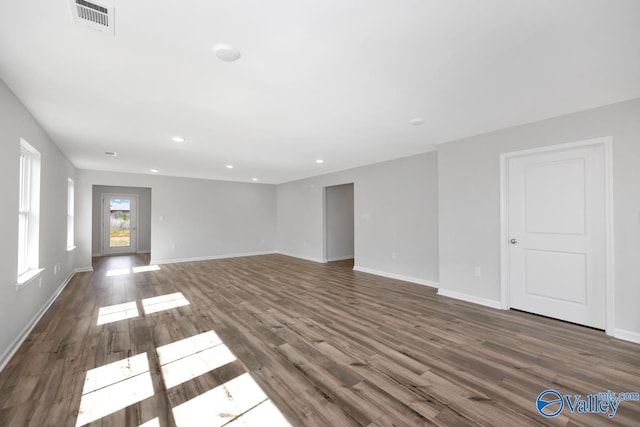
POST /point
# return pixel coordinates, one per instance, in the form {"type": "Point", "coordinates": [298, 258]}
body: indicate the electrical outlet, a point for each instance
{"type": "Point", "coordinates": [394, 255]}
{"type": "Point", "coordinates": [477, 271]}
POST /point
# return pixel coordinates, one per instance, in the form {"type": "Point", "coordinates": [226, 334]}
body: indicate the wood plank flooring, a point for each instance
{"type": "Point", "coordinates": [327, 345]}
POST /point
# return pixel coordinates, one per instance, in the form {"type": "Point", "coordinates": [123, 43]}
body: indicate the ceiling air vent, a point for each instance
{"type": "Point", "coordinates": [93, 15]}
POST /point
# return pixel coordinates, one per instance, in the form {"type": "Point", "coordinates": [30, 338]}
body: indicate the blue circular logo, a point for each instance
{"type": "Point", "coordinates": [550, 403]}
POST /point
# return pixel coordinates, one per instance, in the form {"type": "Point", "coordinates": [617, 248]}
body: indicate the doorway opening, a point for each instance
{"type": "Point", "coordinates": [339, 224]}
{"type": "Point", "coordinates": [121, 220]}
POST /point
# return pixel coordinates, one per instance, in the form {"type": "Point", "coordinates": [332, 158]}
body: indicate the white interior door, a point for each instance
{"type": "Point", "coordinates": [557, 234]}
{"type": "Point", "coordinates": [119, 222]}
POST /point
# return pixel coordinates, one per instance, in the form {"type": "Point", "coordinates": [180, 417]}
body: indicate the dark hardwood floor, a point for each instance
{"type": "Point", "coordinates": [325, 345]}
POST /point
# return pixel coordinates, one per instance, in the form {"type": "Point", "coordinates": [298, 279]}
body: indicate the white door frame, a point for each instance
{"type": "Point", "coordinates": [607, 143]}
{"type": "Point", "coordinates": [134, 223]}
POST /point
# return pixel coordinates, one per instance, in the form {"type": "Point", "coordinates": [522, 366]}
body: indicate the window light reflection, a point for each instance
{"type": "Point", "coordinates": [186, 359]}
{"type": "Point", "coordinates": [151, 423]}
{"type": "Point", "coordinates": [186, 347]}
{"type": "Point", "coordinates": [145, 268]}
{"type": "Point", "coordinates": [115, 386]}
{"type": "Point", "coordinates": [163, 302]}
{"type": "Point", "coordinates": [118, 272]}
{"type": "Point", "coordinates": [113, 313]}
{"type": "Point", "coordinates": [231, 401]}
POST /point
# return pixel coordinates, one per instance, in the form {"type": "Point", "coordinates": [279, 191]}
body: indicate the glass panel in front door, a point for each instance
{"type": "Point", "coordinates": [120, 223]}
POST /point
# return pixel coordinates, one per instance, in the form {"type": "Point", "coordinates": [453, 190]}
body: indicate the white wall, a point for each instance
{"type": "Point", "coordinates": [19, 308]}
{"type": "Point", "coordinates": [396, 211]}
{"type": "Point", "coordinates": [469, 195]}
{"type": "Point", "coordinates": [144, 216]}
{"type": "Point", "coordinates": [339, 222]}
{"type": "Point", "coordinates": [191, 218]}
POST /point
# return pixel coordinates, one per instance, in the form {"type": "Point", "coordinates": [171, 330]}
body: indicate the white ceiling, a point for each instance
{"type": "Point", "coordinates": [331, 79]}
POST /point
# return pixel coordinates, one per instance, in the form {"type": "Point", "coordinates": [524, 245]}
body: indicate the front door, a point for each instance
{"type": "Point", "coordinates": [119, 221]}
{"type": "Point", "coordinates": [556, 232]}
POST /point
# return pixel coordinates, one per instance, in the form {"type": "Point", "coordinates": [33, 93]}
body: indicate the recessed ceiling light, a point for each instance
{"type": "Point", "coordinates": [155, 170]}
{"type": "Point", "coordinates": [178, 139]}
{"type": "Point", "coordinates": [226, 52]}
{"type": "Point", "coordinates": [254, 179]}
{"type": "Point", "coordinates": [229, 166]}
{"type": "Point", "coordinates": [416, 122]}
{"type": "Point", "coordinates": [319, 161]}
{"type": "Point", "coordinates": [111, 153]}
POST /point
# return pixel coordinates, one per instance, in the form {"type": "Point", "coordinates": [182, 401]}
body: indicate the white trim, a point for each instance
{"type": "Point", "coordinates": [395, 276]}
{"type": "Point", "coordinates": [340, 258]}
{"type": "Point", "coordinates": [609, 242]}
{"type": "Point", "coordinates": [147, 251]}
{"type": "Point", "coordinates": [15, 345]}
{"type": "Point", "coordinates": [627, 335]}
{"type": "Point", "coordinates": [84, 269]}
{"type": "Point", "coordinates": [71, 194]}
{"type": "Point", "coordinates": [325, 229]}
{"type": "Point", "coordinates": [504, 233]}
{"type": "Point", "coordinates": [208, 258]}
{"type": "Point", "coordinates": [307, 258]}
{"type": "Point", "coordinates": [28, 277]}
{"type": "Point", "coordinates": [607, 143]}
{"type": "Point", "coordinates": [470, 298]}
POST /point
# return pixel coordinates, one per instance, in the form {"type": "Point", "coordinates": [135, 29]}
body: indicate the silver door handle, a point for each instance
{"type": "Point", "coordinates": [514, 241]}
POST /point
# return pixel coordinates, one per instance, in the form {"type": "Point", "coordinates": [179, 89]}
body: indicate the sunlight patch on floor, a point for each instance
{"type": "Point", "coordinates": [231, 401]}
{"type": "Point", "coordinates": [118, 272]}
{"type": "Point", "coordinates": [113, 313]}
{"type": "Point", "coordinates": [163, 302]}
{"type": "Point", "coordinates": [179, 349]}
{"type": "Point", "coordinates": [186, 359]}
{"type": "Point", "coordinates": [145, 268]}
{"type": "Point", "coordinates": [151, 423]}
{"type": "Point", "coordinates": [115, 386]}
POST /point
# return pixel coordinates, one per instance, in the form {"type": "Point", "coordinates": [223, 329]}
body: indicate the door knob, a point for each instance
{"type": "Point", "coordinates": [514, 241]}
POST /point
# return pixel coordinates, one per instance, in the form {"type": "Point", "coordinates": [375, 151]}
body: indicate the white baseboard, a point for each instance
{"type": "Point", "coordinates": [148, 251]}
{"type": "Point", "coordinates": [397, 276]}
{"type": "Point", "coordinates": [470, 298]}
{"type": "Point", "coordinates": [15, 345]}
{"type": "Point", "coordinates": [207, 258]}
{"type": "Point", "coordinates": [308, 258]}
{"type": "Point", "coordinates": [84, 269]}
{"type": "Point", "coordinates": [339, 258]}
{"type": "Point", "coordinates": [627, 335]}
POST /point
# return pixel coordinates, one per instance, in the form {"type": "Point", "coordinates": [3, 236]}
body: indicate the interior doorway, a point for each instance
{"type": "Point", "coordinates": [339, 222]}
{"type": "Point", "coordinates": [556, 232]}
